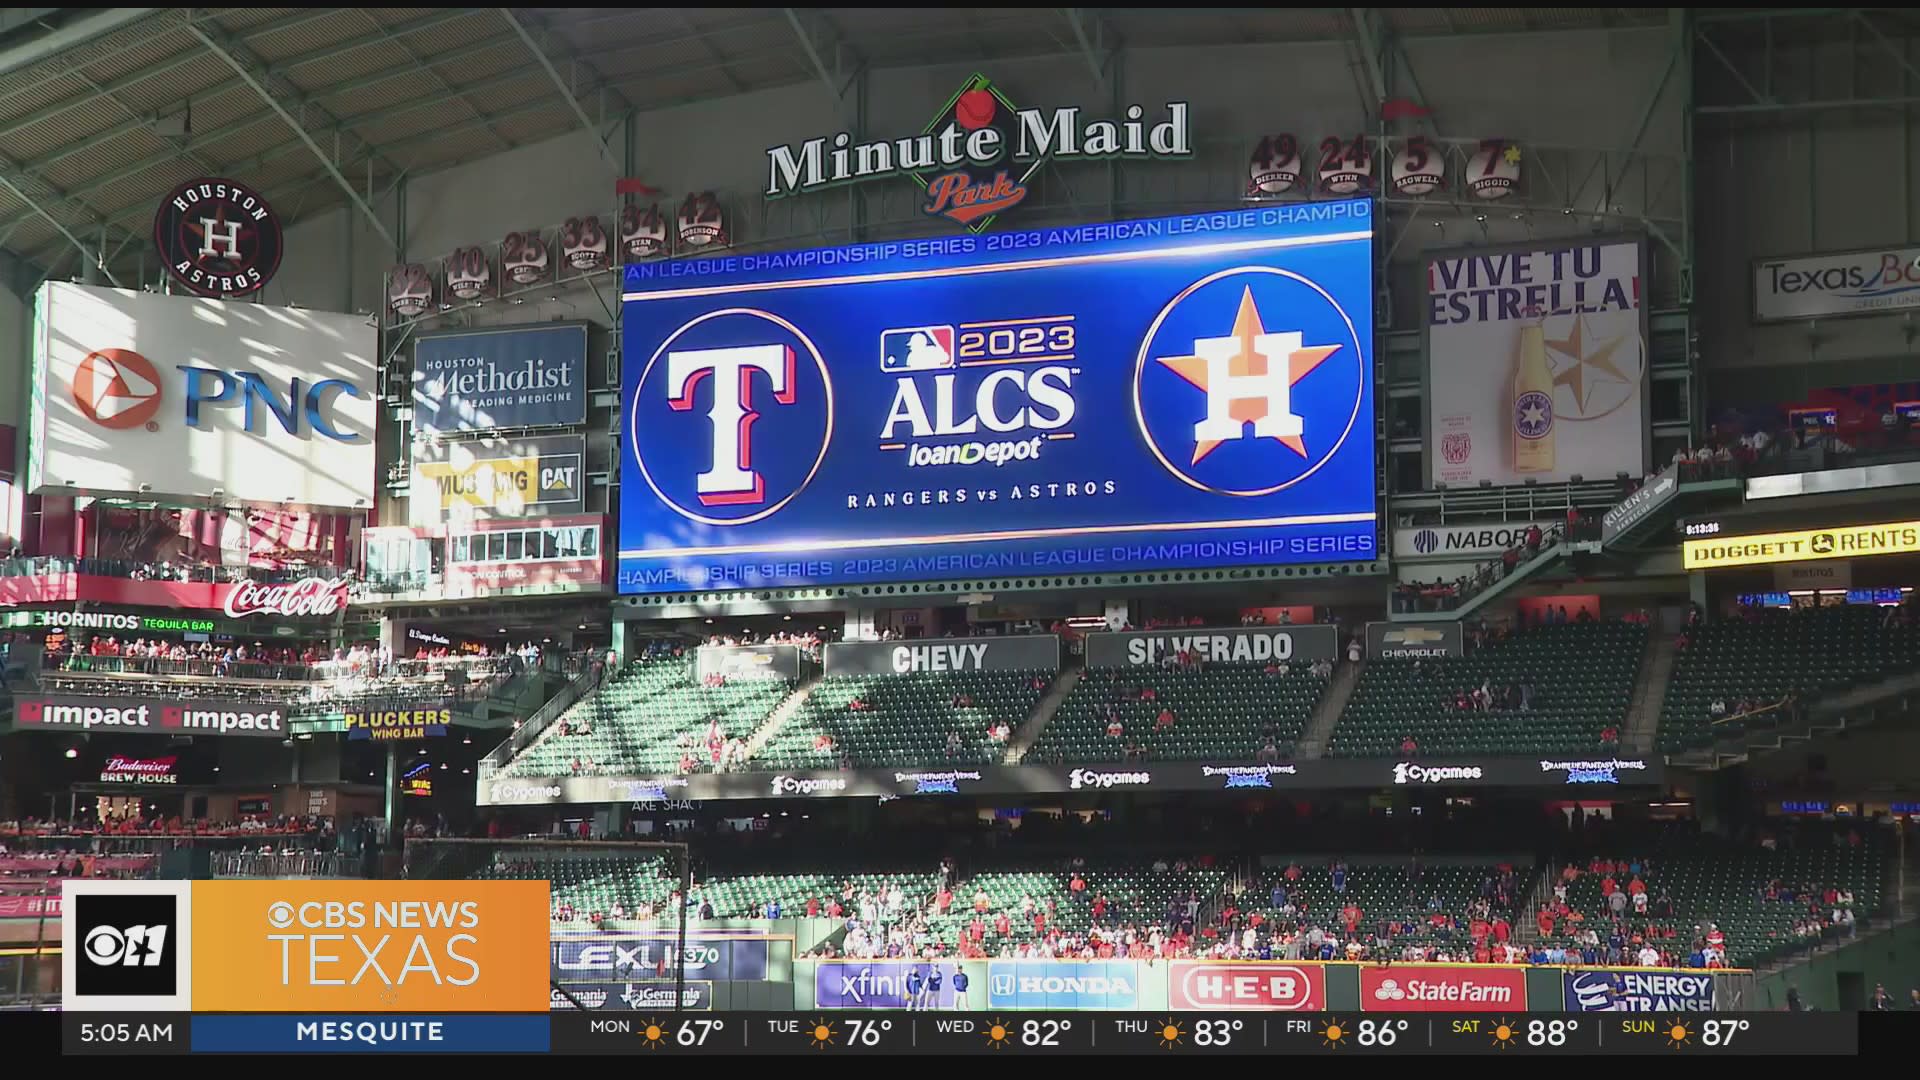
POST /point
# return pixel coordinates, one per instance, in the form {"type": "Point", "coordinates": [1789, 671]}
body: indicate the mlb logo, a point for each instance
{"type": "Point", "coordinates": [916, 348]}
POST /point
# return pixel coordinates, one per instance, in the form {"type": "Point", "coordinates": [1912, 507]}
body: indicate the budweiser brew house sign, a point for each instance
{"type": "Point", "coordinates": [307, 598]}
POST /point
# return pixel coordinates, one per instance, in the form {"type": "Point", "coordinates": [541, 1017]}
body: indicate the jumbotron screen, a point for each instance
{"type": "Point", "coordinates": [1171, 393]}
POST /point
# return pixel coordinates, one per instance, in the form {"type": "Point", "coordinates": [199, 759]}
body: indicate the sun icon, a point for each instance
{"type": "Point", "coordinates": [1170, 1033]}
{"type": "Point", "coordinates": [653, 1034]}
{"type": "Point", "coordinates": [1334, 1033]}
{"type": "Point", "coordinates": [999, 1033]}
{"type": "Point", "coordinates": [1504, 1034]}
{"type": "Point", "coordinates": [822, 1034]}
{"type": "Point", "coordinates": [1677, 1034]}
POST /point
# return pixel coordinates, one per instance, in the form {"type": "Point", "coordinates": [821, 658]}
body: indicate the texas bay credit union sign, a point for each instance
{"type": "Point", "coordinates": [976, 154]}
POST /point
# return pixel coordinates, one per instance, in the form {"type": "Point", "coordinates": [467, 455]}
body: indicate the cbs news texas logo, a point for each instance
{"type": "Point", "coordinates": [299, 946]}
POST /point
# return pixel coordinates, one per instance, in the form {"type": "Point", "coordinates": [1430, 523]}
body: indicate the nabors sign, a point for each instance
{"type": "Point", "coordinates": [977, 153]}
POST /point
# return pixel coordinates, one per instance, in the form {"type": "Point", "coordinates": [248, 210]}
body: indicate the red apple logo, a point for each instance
{"type": "Point", "coordinates": [975, 109]}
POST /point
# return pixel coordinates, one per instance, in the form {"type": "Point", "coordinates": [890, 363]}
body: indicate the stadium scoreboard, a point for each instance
{"type": "Point", "coordinates": [828, 1032]}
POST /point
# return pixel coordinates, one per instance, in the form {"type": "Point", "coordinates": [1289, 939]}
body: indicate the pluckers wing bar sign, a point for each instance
{"type": "Point", "coordinates": [976, 154]}
{"type": "Point", "coordinates": [393, 724]}
{"type": "Point", "coordinates": [218, 237]}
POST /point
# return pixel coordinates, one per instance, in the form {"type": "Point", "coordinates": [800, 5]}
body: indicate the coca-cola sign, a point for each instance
{"type": "Point", "coordinates": [306, 598]}
{"type": "Point", "coordinates": [126, 770]}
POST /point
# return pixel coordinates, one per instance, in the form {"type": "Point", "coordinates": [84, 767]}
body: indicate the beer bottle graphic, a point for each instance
{"type": "Point", "coordinates": [1532, 399]}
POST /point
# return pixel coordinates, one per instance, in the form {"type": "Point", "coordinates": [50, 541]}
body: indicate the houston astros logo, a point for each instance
{"type": "Point", "coordinates": [732, 416]}
{"type": "Point", "coordinates": [1249, 381]}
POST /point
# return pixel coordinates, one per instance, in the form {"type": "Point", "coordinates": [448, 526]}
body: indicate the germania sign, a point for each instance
{"type": "Point", "coordinates": [975, 156]}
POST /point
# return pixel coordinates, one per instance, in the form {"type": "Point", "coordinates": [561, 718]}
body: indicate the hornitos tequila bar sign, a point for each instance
{"type": "Point", "coordinates": [974, 158]}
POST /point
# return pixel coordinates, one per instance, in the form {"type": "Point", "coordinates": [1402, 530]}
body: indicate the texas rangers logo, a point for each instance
{"type": "Point", "coordinates": [1249, 381]}
{"type": "Point", "coordinates": [731, 417]}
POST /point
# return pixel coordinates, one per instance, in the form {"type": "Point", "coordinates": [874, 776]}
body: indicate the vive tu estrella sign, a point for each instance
{"type": "Point", "coordinates": [975, 156]}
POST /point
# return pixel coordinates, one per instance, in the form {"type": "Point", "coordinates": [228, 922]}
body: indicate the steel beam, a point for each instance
{"type": "Point", "coordinates": [1368, 40]}
{"type": "Point", "coordinates": [71, 36]}
{"type": "Point", "coordinates": [433, 72]}
{"type": "Point", "coordinates": [57, 224]}
{"type": "Point", "coordinates": [566, 92]}
{"type": "Point", "coordinates": [1090, 32]}
{"type": "Point", "coordinates": [1714, 51]}
{"type": "Point", "coordinates": [830, 77]}
{"type": "Point", "coordinates": [240, 68]}
{"type": "Point", "coordinates": [1885, 45]}
{"type": "Point", "coordinates": [1807, 106]}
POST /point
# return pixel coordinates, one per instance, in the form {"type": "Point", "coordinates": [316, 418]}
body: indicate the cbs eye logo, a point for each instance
{"type": "Point", "coordinates": [127, 946]}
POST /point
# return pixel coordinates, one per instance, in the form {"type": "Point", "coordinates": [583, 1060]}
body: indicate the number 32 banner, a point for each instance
{"type": "Point", "coordinates": [1142, 395]}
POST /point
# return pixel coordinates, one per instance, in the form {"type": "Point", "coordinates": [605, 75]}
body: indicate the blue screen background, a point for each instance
{"type": "Point", "coordinates": [1121, 493]}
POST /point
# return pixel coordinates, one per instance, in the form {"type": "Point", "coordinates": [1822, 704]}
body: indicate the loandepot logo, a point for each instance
{"type": "Point", "coordinates": [1404, 773]}
{"type": "Point", "coordinates": [1249, 381]}
{"type": "Point", "coordinates": [116, 388]}
{"type": "Point", "coordinates": [1014, 410]}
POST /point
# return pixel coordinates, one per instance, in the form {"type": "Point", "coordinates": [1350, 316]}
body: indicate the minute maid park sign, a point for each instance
{"type": "Point", "coordinates": [977, 153]}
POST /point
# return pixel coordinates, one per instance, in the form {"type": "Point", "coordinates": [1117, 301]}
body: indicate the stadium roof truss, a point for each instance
{"type": "Point", "coordinates": [104, 110]}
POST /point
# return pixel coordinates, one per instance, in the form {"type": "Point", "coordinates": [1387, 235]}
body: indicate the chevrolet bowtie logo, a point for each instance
{"type": "Point", "coordinates": [1414, 635]}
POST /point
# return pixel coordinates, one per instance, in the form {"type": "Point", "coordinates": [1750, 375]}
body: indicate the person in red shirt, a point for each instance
{"type": "Point", "coordinates": [1099, 907]}
{"type": "Point", "coordinates": [1002, 925]}
{"type": "Point", "coordinates": [1502, 930]}
{"type": "Point", "coordinates": [1609, 736]}
{"type": "Point", "coordinates": [1148, 693]}
{"type": "Point", "coordinates": [1039, 924]}
{"type": "Point", "coordinates": [1408, 746]}
{"type": "Point", "coordinates": [1164, 721]}
{"type": "Point", "coordinates": [1546, 922]}
{"type": "Point", "coordinates": [1293, 872]}
{"type": "Point", "coordinates": [1482, 954]}
{"type": "Point", "coordinates": [834, 910]}
{"type": "Point", "coordinates": [1636, 887]}
{"type": "Point", "coordinates": [943, 900]}
{"type": "Point", "coordinates": [1078, 886]}
{"type": "Point", "coordinates": [813, 907]}
{"type": "Point", "coordinates": [1114, 728]}
{"type": "Point", "coordinates": [1350, 915]}
{"type": "Point", "coordinates": [1607, 886]}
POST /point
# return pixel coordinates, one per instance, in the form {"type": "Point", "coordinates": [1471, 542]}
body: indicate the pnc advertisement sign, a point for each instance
{"type": "Point", "coordinates": [141, 394]}
{"type": "Point", "coordinates": [306, 946]}
{"type": "Point", "coordinates": [992, 405]}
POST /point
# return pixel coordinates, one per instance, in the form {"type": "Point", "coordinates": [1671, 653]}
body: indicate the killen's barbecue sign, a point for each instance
{"type": "Point", "coordinates": [975, 156]}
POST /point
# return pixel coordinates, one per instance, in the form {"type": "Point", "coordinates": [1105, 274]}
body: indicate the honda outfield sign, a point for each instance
{"type": "Point", "coordinates": [1040, 651]}
{"type": "Point", "coordinates": [1063, 984]}
{"type": "Point", "coordinates": [119, 714]}
{"type": "Point", "coordinates": [1243, 645]}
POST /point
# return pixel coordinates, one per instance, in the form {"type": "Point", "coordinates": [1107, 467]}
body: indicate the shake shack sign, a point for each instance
{"type": "Point", "coordinates": [974, 157]}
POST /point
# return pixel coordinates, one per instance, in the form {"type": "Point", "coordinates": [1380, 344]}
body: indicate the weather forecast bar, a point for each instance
{"type": "Point", "coordinates": [838, 1032]}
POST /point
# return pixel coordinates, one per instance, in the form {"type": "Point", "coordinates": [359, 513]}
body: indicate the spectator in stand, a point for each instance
{"type": "Point", "coordinates": [1610, 738]}
{"type": "Point", "coordinates": [1115, 729]}
{"type": "Point", "coordinates": [1408, 746]}
{"type": "Point", "coordinates": [1165, 721]}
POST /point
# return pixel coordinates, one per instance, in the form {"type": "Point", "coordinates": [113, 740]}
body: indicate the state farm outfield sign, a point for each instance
{"type": "Point", "coordinates": [1040, 651]}
{"type": "Point", "coordinates": [117, 714]}
{"type": "Point", "coordinates": [1247, 645]}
